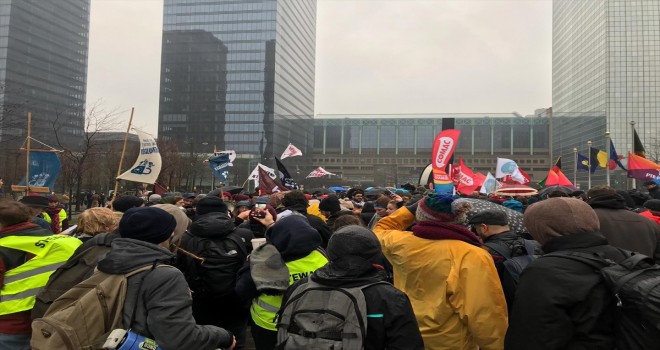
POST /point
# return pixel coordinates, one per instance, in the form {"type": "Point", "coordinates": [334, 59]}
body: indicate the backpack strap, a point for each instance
{"type": "Point", "coordinates": [530, 246]}
{"type": "Point", "coordinates": [149, 269]}
{"type": "Point", "coordinates": [595, 260]}
{"type": "Point", "coordinates": [239, 242]}
{"type": "Point", "coordinates": [499, 249]}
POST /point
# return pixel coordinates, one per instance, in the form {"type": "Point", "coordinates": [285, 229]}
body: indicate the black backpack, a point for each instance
{"type": "Point", "coordinates": [77, 269]}
{"type": "Point", "coordinates": [211, 265]}
{"type": "Point", "coordinates": [635, 283]}
{"type": "Point", "coordinates": [515, 265]}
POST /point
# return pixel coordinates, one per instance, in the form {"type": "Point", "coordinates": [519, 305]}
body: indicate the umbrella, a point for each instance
{"type": "Point", "coordinates": [508, 190]}
{"type": "Point", "coordinates": [514, 218]}
{"type": "Point", "coordinates": [564, 189]}
{"type": "Point", "coordinates": [319, 190]}
{"type": "Point", "coordinates": [337, 189]}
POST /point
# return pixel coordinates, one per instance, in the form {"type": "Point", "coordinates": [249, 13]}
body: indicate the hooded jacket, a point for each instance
{"type": "Point", "coordinates": [625, 229]}
{"type": "Point", "coordinates": [316, 222]}
{"type": "Point", "coordinates": [453, 286]}
{"type": "Point", "coordinates": [215, 226]}
{"type": "Point", "coordinates": [392, 325]}
{"type": "Point", "coordinates": [562, 303]}
{"type": "Point", "coordinates": [164, 310]}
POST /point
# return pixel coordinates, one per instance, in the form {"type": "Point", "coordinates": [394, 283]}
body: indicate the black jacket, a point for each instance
{"type": "Point", "coordinates": [655, 192]}
{"type": "Point", "coordinates": [215, 226]}
{"type": "Point", "coordinates": [316, 222]}
{"type": "Point", "coordinates": [397, 328]}
{"type": "Point", "coordinates": [164, 303]}
{"type": "Point", "coordinates": [563, 304]}
{"type": "Point", "coordinates": [625, 229]}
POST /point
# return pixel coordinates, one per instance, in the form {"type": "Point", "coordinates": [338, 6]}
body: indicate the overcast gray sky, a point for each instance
{"type": "Point", "coordinates": [373, 56]}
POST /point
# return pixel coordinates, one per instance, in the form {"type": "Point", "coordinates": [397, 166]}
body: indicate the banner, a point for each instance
{"type": "Point", "coordinates": [148, 164]}
{"type": "Point", "coordinates": [443, 149]}
{"type": "Point", "coordinates": [254, 176]}
{"type": "Point", "coordinates": [641, 168]}
{"type": "Point", "coordinates": [465, 178]}
{"type": "Point", "coordinates": [285, 177]}
{"type": "Point", "coordinates": [291, 151]}
{"type": "Point", "coordinates": [44, 169]}
{"type": "Point", "coordinates": [220, 166]}
{"type": "Point", "coordinates": [490, 184]}
{"type": "Point", "coordinates": [230, 153]}
{"type": "Point", "coordinates": [507, 167]}
{"type": "Point", "coordinates": [319, 172]}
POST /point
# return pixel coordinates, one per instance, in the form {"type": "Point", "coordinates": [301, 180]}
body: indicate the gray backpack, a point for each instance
{"type": "Point", "coordinates": [321, 317]}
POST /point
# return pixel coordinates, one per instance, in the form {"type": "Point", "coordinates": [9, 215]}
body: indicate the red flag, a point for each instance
{"type": "Point", "coordinates": [466, 183]}
{"type": "Point", "coordinates": [641, 168]}
{"type": "Point", "coordinates": [268, 185]}
{"type": "Point", "coordinates": [479, 179]}
{"type": "Point", "coordinates": [557, 178]}
{"type": "Point", "coordinates": [159, 189]}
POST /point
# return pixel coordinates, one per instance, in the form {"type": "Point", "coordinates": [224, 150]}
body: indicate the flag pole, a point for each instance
{"type": "Point", "coordinates": [27, 168]}
{"type": "Point", "coordinates": [575, 160]}
{"type": "Point", "coordinates": [123, 151]}
{"type": "Point", "coordinates": [632, 124]}
{"type": "Point", "coordinates": [590, 165]}
{"type": "Point", "coordinates": [608, 141]}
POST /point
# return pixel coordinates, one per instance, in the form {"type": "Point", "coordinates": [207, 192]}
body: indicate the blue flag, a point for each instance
{"type": "Point", "coordinates": [220, 166]}
{"type": "Point", "coordinates": [582, 162]}
{"type": "Point", "coordinates": [44, 169]}
{"type": "Point", "coordinates": [615, 157]}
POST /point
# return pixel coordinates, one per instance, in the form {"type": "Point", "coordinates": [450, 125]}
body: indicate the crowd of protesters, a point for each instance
{"type": "Point", "coordinates": [429, 268]}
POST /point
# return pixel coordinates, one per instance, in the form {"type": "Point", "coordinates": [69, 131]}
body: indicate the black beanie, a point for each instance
{"type": "Point", "coordinates": [123, 203]}
{"type": "Point", "coordinates": [652, 204]}
{"type": "Point", "coordinates": [330, 203]}
{"type": "Point", "coordinates": [211, 204]}
{"type": "Point", "coordinates": [354, 240]}
{"type": "Point", "coordinates": [147, 224]}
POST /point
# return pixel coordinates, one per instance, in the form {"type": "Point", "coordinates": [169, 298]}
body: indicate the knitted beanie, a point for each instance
{"type": "Point", "coordinates": [211, 204]}
{"type": "Point", "coordinates": [560, 216]}
{"type": "Point", "coordinates": [123, 203]}
{"type": "Point", "coordinates": [652, 205]}
{"type": "Point", "coordinates": [435, 207]}
{"type": "Point", "coordinates": [354, 240]}
{"type": "Point", "coordinates": [331, 204]}
{"type": "Point", "coordinates": [147, 224]}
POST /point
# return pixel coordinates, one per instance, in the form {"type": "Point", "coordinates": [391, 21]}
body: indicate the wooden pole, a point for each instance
{"type": "Point", "coordinates": [27, 168]}
{"type": "Point", "coordinates": [123, 151]}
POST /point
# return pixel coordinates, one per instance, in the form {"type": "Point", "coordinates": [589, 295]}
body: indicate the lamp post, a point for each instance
{"type": "Point", "coordinates": [575, 159]}
{"type": "Point", "coordinates": [590, 160]}
{"type": "Point", "coordinates": [632, 125]}
{"type": "Point", "coordinates": [607, 165]}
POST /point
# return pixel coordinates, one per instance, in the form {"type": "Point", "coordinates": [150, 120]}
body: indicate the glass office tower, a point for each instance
{"type": "Point", "coordinates": [43, 69]}
{"type": "Point", "coordinates": [606, 63]}
{"type": "Point", "coordinates": [238, 75]}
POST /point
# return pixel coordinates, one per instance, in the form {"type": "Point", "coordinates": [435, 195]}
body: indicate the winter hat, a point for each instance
{"type": "Point", "coordinates": [560, 216]}
{"type": "Point", "coordinates": [354, 240]}
{"type": "Point", "coordinates": [155, 198]}
{"type": "Point", "coordinates": [35, 201]}
{"type": "Point", "coordinates": [189, 196]}
{"type": "Point", "coordinates": [268, 270]}
{"type": "Point", "coordinates": [331, 204]}
{"type": "Point", "coordinates": [52, 198]}
{"type": "Point", "coordinates": [514, 205]}
{"type": "Point", "coordinates": [649, 183]}
{"type": "Point", "coordinates": [147, 224]}
{"type": "Point", "coordinates": [182, 220]}
{"type": "Point", "coordinates": [226, 194]}
{"type": "Point", "coordinates": [652, 205]}
{"type": "Point", "coordinates": [240, 197]}
{"type": "Point", "coordinates": [435, 207]}
{"type": "Point", "coordinates": [490, 217]}
{"type": "Point", "coordinates": [293, 237]}
{"type": "Point", "coordinates": [242, 204]}
{"type": "Point", "coordinates": [123, 203]}
{"type": "Point", "coordinates": [211, 204]}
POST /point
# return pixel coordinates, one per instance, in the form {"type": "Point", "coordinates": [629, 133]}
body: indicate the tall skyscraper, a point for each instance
{"type": "Point", "coordinates": [43, 69]}
{"type": "Point", "coordinates": [238, 75]}
{"type": "Point", "coordinates": [605, 63]}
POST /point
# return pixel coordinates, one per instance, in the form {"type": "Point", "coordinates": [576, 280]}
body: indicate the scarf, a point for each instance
{"type": "Point", "coordinates": [437, 230]}
{"type": "Point", "coordinates": [54, 214]}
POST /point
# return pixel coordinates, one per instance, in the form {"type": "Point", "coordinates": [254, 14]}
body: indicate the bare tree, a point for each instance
{"type": "Point", "coordinates": [171, 170]}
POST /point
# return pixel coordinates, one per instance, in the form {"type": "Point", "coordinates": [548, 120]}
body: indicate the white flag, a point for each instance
{"type": "Point", "coordinates": [507, 167]}
{"type": "Point", "coordinates": [148, 164]}
{"type": "Point", "coordinates": [231, 153]}
{"type": "Point", "coordinates": [319, 172]}
{"type": "Point", "coordinates": [254, 176]}
{"type": "Point", "coordinates": [291, 151]}
{"type": "Point", "coordinates": [490, 185]}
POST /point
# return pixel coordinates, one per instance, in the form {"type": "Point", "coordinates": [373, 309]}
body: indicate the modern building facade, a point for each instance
{"type": "Point", "coordinates": [43, 69]}
{"type": "Point", "coordinates": [377, 150]}
{"type": "Point", "coordinates": [606, 63]}
{"type": "Point", "coordinates": [238, 75]}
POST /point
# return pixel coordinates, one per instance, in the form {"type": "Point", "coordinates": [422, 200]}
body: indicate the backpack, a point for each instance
{"type": "Point", "coordinates": [212, 272]}
{"type": "Point", "coordinates": [515, 265]}
{"type": "Point", "coordinates": [83, 317]}
{"type": "Point", "coordinates": [635, 283]}
{"type": "Point", "coordinates": [77, 269]}
{"type": "Point", "coordinates": [321, 317]}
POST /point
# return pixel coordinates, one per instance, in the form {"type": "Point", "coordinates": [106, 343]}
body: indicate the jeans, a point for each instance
{"type": "Point", "coordinates": [15, 341]}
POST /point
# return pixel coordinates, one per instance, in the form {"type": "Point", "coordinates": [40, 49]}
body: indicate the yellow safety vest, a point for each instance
{"type": "Point", "coordinates": [61, 214]}
{"type": "Point", "coordinates": [24, 282]}
{"type": "Point", "coordinates": [264, 307]}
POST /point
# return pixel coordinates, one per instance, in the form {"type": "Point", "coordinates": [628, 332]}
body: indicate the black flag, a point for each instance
{"type": "Point", "coordinates": [285, 177]}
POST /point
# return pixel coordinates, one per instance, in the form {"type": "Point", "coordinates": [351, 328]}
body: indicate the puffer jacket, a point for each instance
{"type": "Point", "coordinates": [453, 286]}
{"type": "Point", "coordinates": [164, 303]}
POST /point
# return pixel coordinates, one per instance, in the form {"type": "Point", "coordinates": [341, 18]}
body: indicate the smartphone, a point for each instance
{"type": "Point", "coordinates": [259, 210]}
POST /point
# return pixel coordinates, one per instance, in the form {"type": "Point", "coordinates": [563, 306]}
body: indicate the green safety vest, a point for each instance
{"type": "Point", "coordinates": [264, 307]}
{"type": "Point", "coordinates": [23, 283]}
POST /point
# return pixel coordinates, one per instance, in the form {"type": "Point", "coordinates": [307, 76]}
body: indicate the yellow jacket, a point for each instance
{"type": "Point", "coordinates": [453, 287]}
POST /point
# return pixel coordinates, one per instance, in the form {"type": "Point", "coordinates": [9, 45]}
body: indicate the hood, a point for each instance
{"type": "Point", "coordinates": [128, 254]}
{"type": "Point", "coordinates": [348, 272]}
{"type": "Point", "coordinates": [504, 236]}
{"type": "Point", "coordinates": [293, 237]}
{"type": "Point", "coordinates": [611, 201]}
{"type": "Point", "coordinates": [302, 209]}
{"type": "Point", "coordinates": [212, 225]}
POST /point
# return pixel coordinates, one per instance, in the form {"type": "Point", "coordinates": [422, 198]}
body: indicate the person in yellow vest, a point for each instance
{"type": "Point", "coordinates": [298, 244]}
{"type": "Point", "coordinates": [28, 255]}
{"type": "Point", "coordinates": [55, 211]}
